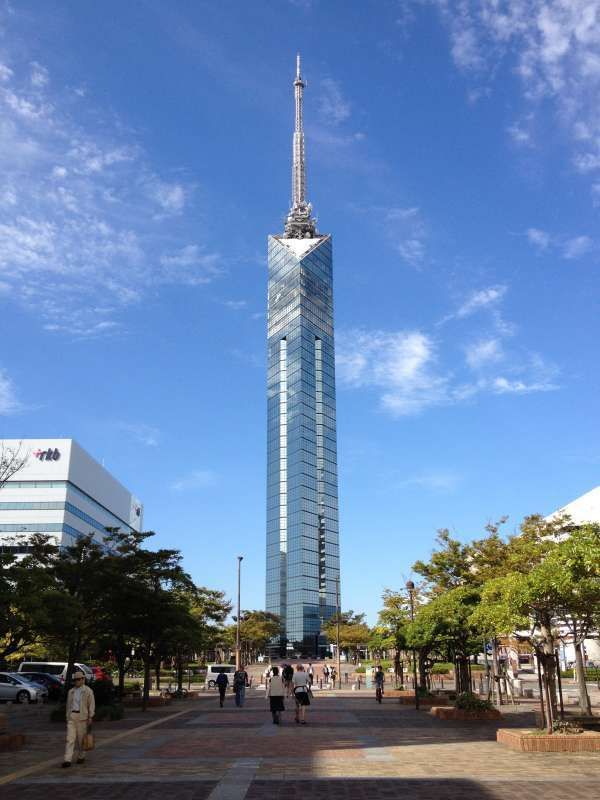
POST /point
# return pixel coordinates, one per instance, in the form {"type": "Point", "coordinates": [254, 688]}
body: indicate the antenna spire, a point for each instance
{"type": "Point", "coordinates": [299, 223]}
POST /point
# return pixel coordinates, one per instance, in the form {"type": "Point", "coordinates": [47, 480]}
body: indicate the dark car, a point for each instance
{"type": "Point", "coordinates": [52, 683]}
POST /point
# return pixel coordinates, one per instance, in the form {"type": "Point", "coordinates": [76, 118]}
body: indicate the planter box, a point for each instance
{"type": "Point", "coordinates": [449, 712]}
{"type": "Point", "coordinates": [523, 742]}
{"type": "Point", "coordinates": [408, 699]}
{"type": "Point", "coordinates": [12, 741]}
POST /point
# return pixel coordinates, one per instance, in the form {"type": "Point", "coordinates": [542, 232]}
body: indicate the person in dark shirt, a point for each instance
{"type": "Point", "coordinates": [240, 681]}
{"type": "Point", "coordinates": [222, 682]}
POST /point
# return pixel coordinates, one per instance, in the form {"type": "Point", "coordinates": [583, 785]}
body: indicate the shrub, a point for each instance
{"type": "Point", "coordinates": [477, 667]}
{"type": "Point", "coordinates": [566, 726]}
{"type": "Point", "coordinates": [470, 702]}
{"type": "Point", "coordinates": [111, 712]}
{"type": "Point", "coordinates": [58, 713]}
{"type": "Point", "coordinates": [441, 668]}
{"type": "Point", "coordinates": [103, 692]}
{"type": "Point", "coordinates": [360, 670]}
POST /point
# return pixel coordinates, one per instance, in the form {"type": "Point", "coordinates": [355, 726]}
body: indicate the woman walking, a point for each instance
{"type": "Point", "coordinates": [301, 693]}
{"type": "Point", "coordinates": [275, 694]}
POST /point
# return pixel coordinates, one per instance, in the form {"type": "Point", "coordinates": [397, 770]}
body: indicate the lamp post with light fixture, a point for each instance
{"type": "Point", "coordinates": [411, 596]}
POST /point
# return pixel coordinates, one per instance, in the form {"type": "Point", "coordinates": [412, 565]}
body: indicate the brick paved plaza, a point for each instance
{"type": "Point", "coordinates": [350, 748]}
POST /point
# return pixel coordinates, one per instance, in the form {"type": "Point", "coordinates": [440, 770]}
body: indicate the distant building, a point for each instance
{"type": "Point", "coordinates": [303, 565]}
{"type": "Point", "coordinates": [583, 509]}
{"type": "Point", "coordinates": [62, 492]}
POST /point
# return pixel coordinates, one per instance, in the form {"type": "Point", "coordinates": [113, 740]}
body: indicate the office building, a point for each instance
{"type": "Point", "coordinates": [61, 491]}
{"type": "Point", "coordinates": [302, 496]}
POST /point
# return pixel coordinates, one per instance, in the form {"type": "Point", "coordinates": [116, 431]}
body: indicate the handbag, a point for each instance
{"type": "Point", "coordinates": [88, 739]}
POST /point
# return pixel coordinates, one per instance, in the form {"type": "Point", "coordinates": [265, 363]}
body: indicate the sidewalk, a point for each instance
{"type": "Point", "coordinates": [351, 747]}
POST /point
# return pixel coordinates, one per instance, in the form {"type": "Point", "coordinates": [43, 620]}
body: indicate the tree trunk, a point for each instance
{"type": "Point", "coordinates": [463, 683]}
{"type": "Point", "coordinates": [121, 669]}
{"type": "Point", "coordinates": [422, 672]}
{"type": "Point", "coordinates": [179, 674]}
{"type": "Point", "coordinates": [583, 697]}
{"type": "Point", "coordinates": [157, 673]}
{"type": "Point", "coordinates": [549, 664]}
{"type": "Point", "coordinates": [146, 692]}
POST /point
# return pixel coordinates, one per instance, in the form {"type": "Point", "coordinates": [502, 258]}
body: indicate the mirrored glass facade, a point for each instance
{"type": "Point", "coordinates": [302, 497]}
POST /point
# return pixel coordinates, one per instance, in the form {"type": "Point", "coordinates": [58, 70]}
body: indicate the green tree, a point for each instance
{"type": "Point", "coordinates": [354, 632]}
{"type": "Point", "coordinates": [257, 628]}
{"type": "Point", "coordinates": [393, 620]}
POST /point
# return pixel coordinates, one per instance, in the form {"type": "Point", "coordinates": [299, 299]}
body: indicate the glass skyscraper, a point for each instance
{"type": "Point", "coordinates": [302, 496]}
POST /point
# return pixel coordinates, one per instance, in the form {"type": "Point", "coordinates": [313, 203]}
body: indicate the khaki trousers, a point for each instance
{"type": "Point", "coordinates": [76, 730]}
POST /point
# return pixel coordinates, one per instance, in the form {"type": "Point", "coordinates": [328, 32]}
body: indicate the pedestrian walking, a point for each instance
{"type": "Point", "coordinates": [332, 676]}
{"type": "Point", "coordinates": [275, 691]}
{"type": "Point", "coordinates": [79, 712]}
{"type": "Point", "coordinates": [379, 680]}
{"type": "Point", "coordinates": [287, 673]}
{"type": "Point", "coordinates": [301, 693]}
{"type": "Point", "coordinates": [326, 674]}
{"type": "Point", "coordinates": [222, 682]}
{"type": "Point", "coordinates": [311, 674]}
{"type": "Point", "coordinates": [240, 682]}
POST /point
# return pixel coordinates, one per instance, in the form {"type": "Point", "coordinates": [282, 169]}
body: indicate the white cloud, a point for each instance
{"type": "Point", "coordinates": [235, 305]}
{"type": "Point", "coordinates": [171, 197]}
{"type": "Point", "coordinates": [401, 364]}
{"type": "Point", "coordinates": [79, 206]}
{"type": "Point", "coordinates": [406, 231]}
{"type": "Point", "coordinates": [333, 107]}
{"type": "Point", "coordinates": [404, 368]}
{"type": "Point", "coordinates": [482, 298]}
{"type": "Point", "coordinates": [570, 249]}
{"type": "Point", "coordinates": [539, 238]}
{"type": "Point", "coordinates": [6, 73]}
{"type": "Point", "coordinates": [577, 247]}
{"type": "Point", "coordinates": [39, 75]}
{"type": "Point", "coordinates": [197, 479]}
{"type": "Point", "coordinates": [484, 352]}
{"type": "Point", "coordinates": [433, 481]}
{"type": "Point", "coordinates": [8, 399]}
{"type": "Point", "coordinates": [147, 435]}
{"type": "Point", "coordinates": [554, 48]}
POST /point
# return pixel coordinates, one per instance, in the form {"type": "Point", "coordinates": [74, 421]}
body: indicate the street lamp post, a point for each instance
{"type": "Point", "coordinates": [337, 646]}
{"type": "Point", "coordinates": [237, 630]}
{"type": "Point", "coordinates": [411, 595]}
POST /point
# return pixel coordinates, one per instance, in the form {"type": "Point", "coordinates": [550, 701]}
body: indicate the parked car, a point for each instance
{"type": "Point", "coordinates": [213, 670]}
{"type": "Point", "coordinates": [100, 674]}
{"type": "Point", "coordinates": [58, 668]}
{"type": "Point", "coordinates": [17, 689]}
{"type": "Point", "coordinates": [52, 683]}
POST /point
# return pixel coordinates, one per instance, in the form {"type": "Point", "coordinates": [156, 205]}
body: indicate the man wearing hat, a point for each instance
{"type": "Point", "coordinates": [79, 712]}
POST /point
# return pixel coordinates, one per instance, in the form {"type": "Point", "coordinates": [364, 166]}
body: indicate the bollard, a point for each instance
{"type": "Point", "coordinates": [345, 677]}
{"type": "Point", "coordinates": [320, 683]}
{"type": "Point", "coordinates": [442, 681]}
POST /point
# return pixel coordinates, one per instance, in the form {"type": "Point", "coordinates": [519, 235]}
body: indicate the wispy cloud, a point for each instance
{"type": "Point", "coordinates": [407, 370]}
{"type": "Point", "coordinates": [483, 352]}
{"type": "Point", "coordinates": [197, 479]}
{"type": "Point", "coordinates": [333, 107]}
{"type": "Point", "coordinates": [8, 397]}
{"type": "Point", "coordinates": [431, 481]}
{"type": "Point", "coordinates": [403, 227]}
{"type": "Point", "coordinates": [480, 299]}
{"type": "Point", "coordinates": [552, 45]}
{"type": "Point", "coordinates": [83, 210]}
{"type": "Point", "coordinates": [235, 305]}
{"type": "Point", "coordinates": [141, 433]}
{"type": "Point", "coordinates": [569, 248]}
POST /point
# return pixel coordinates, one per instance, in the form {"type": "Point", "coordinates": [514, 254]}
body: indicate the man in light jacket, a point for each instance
{"type": "Point", "coordinates": [80, 710]}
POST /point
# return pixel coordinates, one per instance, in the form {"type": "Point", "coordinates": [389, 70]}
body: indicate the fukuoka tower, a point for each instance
{"type": "Point", "coordinates": [303, 564]}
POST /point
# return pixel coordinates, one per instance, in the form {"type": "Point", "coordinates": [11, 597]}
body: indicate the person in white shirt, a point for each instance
{"type": "Point", "coordinates": [301, 693]}
{"type": "Point", "coordinates": [275, 691]}
{"type": "Point", "coordinates": [80, 711]}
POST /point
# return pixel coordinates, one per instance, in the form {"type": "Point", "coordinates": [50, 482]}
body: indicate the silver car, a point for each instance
{"type": "Point", "coordinates": [16, 689]}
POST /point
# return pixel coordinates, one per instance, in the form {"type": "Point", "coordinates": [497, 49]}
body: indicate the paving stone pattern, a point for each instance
{"type": "Point", "coordinates": [350, 748]}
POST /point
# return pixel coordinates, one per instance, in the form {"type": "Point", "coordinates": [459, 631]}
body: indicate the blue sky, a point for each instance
{"type": "Point", "coordinates": [454, 154]}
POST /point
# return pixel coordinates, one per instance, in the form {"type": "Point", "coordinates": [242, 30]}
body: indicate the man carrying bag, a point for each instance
{"type": "Point", "coordinates": [80, 711]}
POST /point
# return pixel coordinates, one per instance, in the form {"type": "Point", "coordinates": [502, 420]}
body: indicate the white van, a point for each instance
{"type": "Point", "coordinates": [213, 670]}
{"type": "Point", "coordinates": [58, 668]}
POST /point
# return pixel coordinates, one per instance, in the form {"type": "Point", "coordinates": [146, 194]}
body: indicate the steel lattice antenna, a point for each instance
{"type": "Point", "coordinates": [299, 223]}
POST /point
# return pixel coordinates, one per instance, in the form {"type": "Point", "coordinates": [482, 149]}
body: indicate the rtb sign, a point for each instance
{"type": "Point", "coordinates": [52, 454]}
